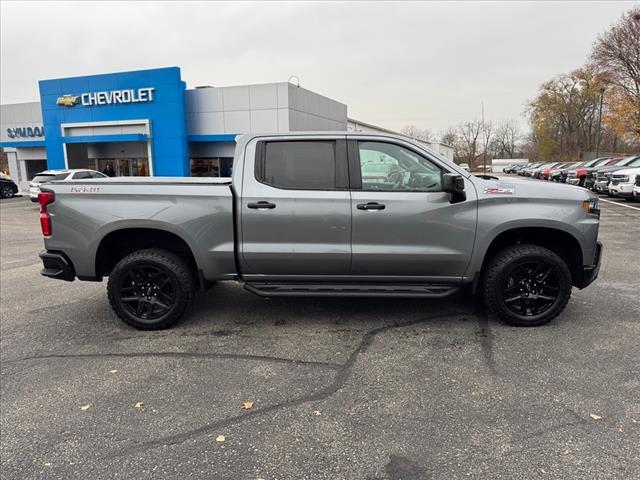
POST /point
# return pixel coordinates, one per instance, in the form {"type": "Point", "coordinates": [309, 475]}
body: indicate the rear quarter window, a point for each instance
{"type": "Point", "coordinates": [49, 178]}
{"type": "Point", "coordinates": [301, 165]}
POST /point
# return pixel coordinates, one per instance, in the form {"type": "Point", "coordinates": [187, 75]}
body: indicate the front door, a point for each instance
{"type": "Point", "coordinates": [295, 208]}
{"type": "Point", "coordinates": [403, 223]}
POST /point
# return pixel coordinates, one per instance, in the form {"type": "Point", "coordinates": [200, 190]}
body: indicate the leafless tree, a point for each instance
{"type": "Point", "coordinates": [417, 133]}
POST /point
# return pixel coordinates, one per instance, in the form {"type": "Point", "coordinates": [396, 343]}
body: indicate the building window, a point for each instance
{"type": "Point", "coordinates": [211, 167]}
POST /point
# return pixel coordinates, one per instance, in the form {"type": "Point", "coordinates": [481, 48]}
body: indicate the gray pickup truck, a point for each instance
{"type": "Point", "coordinates": [321, 214]}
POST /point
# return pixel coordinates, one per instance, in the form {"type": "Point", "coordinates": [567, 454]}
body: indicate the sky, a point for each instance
{"type": "Point", "coordinates": [428, 64]}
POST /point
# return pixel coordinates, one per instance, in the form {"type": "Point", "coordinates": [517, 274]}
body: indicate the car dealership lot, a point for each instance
{"type": "Point", "coordinates": [341, 388]}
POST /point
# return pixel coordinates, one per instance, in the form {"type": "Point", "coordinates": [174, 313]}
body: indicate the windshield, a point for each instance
{"type": "Point", "coordinates": [635, 163]}
{"type": "Point", "coordinates": [49, 177]}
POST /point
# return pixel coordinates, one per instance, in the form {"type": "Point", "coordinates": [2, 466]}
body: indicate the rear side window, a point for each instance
{"type": "Point", "coordinates": [81, 175]}
{"type": "Point", "coordinates": [49, 178]}
{"type": "Point", "coordinates": [306, 165]}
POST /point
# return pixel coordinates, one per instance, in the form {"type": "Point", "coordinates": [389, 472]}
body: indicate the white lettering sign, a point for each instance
{"type": "Point", "coordinates": [118, 96]}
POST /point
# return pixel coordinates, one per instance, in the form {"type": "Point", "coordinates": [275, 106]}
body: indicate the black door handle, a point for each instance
{"type": "Point", "coordinates": [371, 206]}
{"type": "Point", "coordinates": [262, 204]}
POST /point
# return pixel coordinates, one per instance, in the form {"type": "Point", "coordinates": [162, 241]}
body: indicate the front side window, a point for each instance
{"type": "Point", "coordinates": [306, 165]}
{"type": "Point", "coordinates": [390, 167]}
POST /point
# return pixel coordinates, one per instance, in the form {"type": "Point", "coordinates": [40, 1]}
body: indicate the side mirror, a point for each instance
{"type": "Point", "coordinates": [453, 183]}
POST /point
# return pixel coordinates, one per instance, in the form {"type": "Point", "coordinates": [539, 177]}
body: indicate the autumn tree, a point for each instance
{"type": "Point", "coordinates": [616, 59]}
{"type": "Point", "coordinates": [564, 115]}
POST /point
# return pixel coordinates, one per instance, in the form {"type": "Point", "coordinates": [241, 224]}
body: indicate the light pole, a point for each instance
{"type": "Point", "coordinates": [599, 123]}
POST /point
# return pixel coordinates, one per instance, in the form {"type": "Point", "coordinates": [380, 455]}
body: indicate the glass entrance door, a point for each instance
{"type": "Point", "coordinates": [125, 167]}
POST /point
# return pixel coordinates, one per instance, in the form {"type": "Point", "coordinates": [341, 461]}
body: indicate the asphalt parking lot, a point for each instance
{"type": "Point", "coordinates": [341, 388]}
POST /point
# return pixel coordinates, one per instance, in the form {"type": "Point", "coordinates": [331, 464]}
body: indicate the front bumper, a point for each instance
{"type": "Point", "coordinates": [590, 273]}
{"type": "Point", "coordinates": [57, 265]}
{"type": "Point", "coordinates": [621, 189]}
{"type": "Point", "coordinates": [573, 181]}
{"type": "Point", "coordinates": [601, 186]}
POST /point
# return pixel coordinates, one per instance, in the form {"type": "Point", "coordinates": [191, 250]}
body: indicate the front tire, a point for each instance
{"type": "Point", "coordinates": [527, 285]}
{"type": "Point", "coordinates": [150, 289]}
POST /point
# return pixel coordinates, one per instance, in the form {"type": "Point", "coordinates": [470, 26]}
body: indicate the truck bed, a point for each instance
{"type": "Point", "coordinates": [197, 210]}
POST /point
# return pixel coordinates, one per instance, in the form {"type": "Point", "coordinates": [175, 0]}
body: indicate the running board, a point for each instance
{"type": "Point", "coordinates": [351, 290]}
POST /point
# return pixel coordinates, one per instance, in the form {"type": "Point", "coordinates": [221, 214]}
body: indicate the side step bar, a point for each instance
{"type": "Point", "coordinates": [351, 290]}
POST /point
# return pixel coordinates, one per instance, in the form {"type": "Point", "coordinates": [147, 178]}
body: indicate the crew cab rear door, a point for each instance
{"type": "Point", "coordinates": [295, 217]}
{"type": "Point", "coordinates": [404, 225]}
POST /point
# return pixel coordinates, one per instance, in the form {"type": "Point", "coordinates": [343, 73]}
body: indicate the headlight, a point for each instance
{"type": "Point", "coordinates": [591, 207]}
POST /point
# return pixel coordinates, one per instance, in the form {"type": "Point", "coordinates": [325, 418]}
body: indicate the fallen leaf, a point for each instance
{"type": "Point", "coordinates": [138, 405]}
{"type": "Point", "coordinates": [567, 451]}
{"type": "Point", "coordinates": [113, 371]}
{"type": "Point", "coordinates": [84, 408]}
{"type": "Point", "coordinates": [541, 471]}
{"type": "Point", "coordinates": [317, 413]}
{"type": "Point", "coordinates": [595, 417]}
{"type": "Point", "coordinates": [220, 438]}
{"type": "Point", "coordinates": [247, 405]}
{"type": "Point", "coordinates": [47, 464]}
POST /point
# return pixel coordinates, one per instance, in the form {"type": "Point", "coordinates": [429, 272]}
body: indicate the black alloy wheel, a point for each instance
{"type": "Point", "coordinates": [147, 292]}
{"type": "Point", "coordinates": [530, 288]}
{"type": "Point", "coordinates": [526, 285]}
{"type": "Point", "coordinates": [151, 289]}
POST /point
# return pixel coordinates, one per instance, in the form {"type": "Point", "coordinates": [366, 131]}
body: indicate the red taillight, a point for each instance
{"type": "Point", "coordinates": [44, 199]}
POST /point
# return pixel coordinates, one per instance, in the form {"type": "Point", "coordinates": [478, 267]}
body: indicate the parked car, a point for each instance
{"type": "Point", "coordinates": [623, 183]}
{"type": "Point", "coordinates": [602, 175]}
{"type": "Point", "coordinates": [578, 176]}
{"type": "Point", "coordinates": [590, 179]}
{"type": "Point", "coordinates": [8, 187]}
{"type": "Point", "coordinates": [297, 219]}
{"type": "Point", "coordinates": [561, 175]}
{"type": "Point", "coordinates": [528, 170]}
{"type": "Point", "coordinates": [60, 175]}
{"type": "Point", "coordinates": [465, 166]}
{"type": "Point", "coordinates": [512, 168]}
{"type": "Point", "coordinates": [546, 173]}
{"type": "Point", "coordinates": [537, 172]}
{"type": "Point", "coordinates": [636, 189]}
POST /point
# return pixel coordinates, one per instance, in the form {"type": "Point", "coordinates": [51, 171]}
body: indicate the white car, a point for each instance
{"type": "Point", "coordinates": [623, 182]}
{"type": "Point", "coordinates": [636, 189]}
{"type": "Point", "coordinates": [51, 175]}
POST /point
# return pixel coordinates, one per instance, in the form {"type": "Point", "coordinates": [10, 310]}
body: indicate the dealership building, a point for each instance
{"type": "Point", "coordinates": [148, 123]}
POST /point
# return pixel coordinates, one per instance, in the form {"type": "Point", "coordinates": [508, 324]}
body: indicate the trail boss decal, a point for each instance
{"type": "Point", "coordinates": [499, 191]}
{"type": "Point", "coordinates": [85, 189]}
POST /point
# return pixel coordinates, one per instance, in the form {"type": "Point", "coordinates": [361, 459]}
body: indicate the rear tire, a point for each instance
{"type": "Point", "coordinates": [6, 192]}
{"type": "Point", "coordinates": [150, 289]}
{"type": "Point", "coordinates": [527, 285]}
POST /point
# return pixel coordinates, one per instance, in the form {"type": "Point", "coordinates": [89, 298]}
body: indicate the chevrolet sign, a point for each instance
{"type": "Point", "coordinates": [108, 97]}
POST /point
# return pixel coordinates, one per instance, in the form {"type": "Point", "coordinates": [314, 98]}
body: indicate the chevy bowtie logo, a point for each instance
{"type": "Point", "coordinates": [67, 100]}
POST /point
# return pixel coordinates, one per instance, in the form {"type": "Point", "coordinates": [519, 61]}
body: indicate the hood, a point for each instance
{"type": "Point", "coordinates": [521, 188]}
{"type": "Point", "coordinates": [628, 171]}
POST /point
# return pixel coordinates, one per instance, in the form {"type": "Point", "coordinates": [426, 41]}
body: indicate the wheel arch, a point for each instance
{"type": "Point", "coordinates": [559, 241]}
{"type": "Point", "coordinates": [118, 243]}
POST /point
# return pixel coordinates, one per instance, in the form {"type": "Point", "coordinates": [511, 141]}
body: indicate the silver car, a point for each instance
{"type": "Point", "coordinates": [60, 175]}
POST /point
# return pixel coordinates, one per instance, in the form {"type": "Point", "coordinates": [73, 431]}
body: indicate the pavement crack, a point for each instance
{"type": "Point", "coordinates": [343, 373]}
{"type": "Point", "coordinates": [486, 342]}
